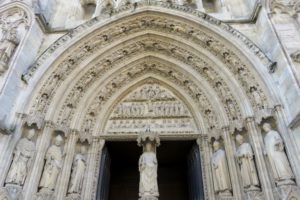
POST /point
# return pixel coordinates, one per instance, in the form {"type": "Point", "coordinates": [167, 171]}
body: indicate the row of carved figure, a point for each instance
{"type": "Point", "coordinates": [275, 152]}
{"type": "Point", "coordinates": [151, 109]}
{"type": "Point", "coordinates": [23, 159]}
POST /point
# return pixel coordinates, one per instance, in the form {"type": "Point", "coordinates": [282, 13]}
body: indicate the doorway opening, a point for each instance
{"type": "Point", "coordinates": [174, 171]}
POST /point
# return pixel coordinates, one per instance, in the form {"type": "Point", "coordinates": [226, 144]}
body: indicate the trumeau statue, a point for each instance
{"type": "Point", "coordinates": [78, 171]}
{"type": "Point", "coordinates": [245, 159]}
{"type": "Point", "coordinates": [148, 187]}
{"type": "Point", "coordinates": [23, 155]}
{"type": "Point", "coordinates": [220, 170]}
{"type": "Point", "coordinates": [279, 163]}
{"type": "Point", "coordinates": [54, 161]}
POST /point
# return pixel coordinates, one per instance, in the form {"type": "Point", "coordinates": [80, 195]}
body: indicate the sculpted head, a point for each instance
{"type": "Point", "coordinates": [216, 145]}
{"type": "Point", "coordinates": [148, 147]}
{"type": "Point", "coordinates": [58, 140]}
{"type": "Point", "coordinates": [240, 139]}
{"type": "Point", "coordinates": [31, 133]}
{"type": "Point", "coordinates": [83, 149]}
{"type": "Point", "coordinates": [267, 127]}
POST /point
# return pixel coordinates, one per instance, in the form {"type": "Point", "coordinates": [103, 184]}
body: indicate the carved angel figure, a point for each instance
{"type": "Point", "coordinates": [54, 161]}
{"type": "Point", "coordinates": [148, 173]}
{"type": "Point", "coordinates": [23, 155]}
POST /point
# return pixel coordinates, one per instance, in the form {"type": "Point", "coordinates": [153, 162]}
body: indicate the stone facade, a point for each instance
{"type": "Point", "coordinates": [224, 73]}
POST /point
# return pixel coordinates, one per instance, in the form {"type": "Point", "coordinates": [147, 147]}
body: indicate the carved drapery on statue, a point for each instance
{"type": "Point", "coordinates": [275, 150]}
{"type": "Point", "coordinates": [148, 187]}
{"type": "Point", "coordinates": [22, 160]}
{"type": "Point", "coordinates": [53, 165]}
{"type": "Point", "coordinates": [78, 172]}
{"type": "Point", "coordinates": [245, 157]}
{"type": "Point", "coordinates": [11, 34]}
{"type": "Point", "coordinates": [221, 177]}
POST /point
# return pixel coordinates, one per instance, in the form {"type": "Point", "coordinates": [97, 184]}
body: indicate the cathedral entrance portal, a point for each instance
{"type": "Point", "coordinates": [179, 171]}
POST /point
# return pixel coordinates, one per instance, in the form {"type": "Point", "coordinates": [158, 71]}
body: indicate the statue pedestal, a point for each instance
{"type": "Point", "coordinates": [287, 192]}
{"type": "Point", "coordinates": [73, 197]}
{"type": "Point", "coordinates": [254, 193]}
{"type": "Point", "coordinates": [11, 192]}
{"type": "Point", "coordinates": [45, 194]}
{"type": "Point", "coordinates": [148, 198]}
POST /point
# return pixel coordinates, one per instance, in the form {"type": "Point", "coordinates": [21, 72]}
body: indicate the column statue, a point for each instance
{"type": "Point", "coordinates": [22, 160]}
{"type": "Point", "coordinates": [221, 178]}
{"type": "Point", "coordinates": [274, 149]}
{"type": "Point", "coordinates": [148, 187]}
{"type": "Point", "coordinates": [8, 44]}
{"type": "Point", "coordinates": [78, 171]}
{"type": "Point", "coordinates": [54, 161]}
{"type": "Point", "coordinates": [245, 159]}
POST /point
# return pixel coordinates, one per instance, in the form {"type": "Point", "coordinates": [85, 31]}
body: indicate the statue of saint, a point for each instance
{"type": "Point", "coordinates": [54, 161]}
{"type": "Point", "coordinates": [279, 162]}
{"type": "Point", "coordinates": [245, 159]}
{"type": "Point", "coordinates": [220, 170]}
{"type": "Point", "coordinates": [78, 170]}
{"type": "Point", "coordinates": [22, 160]}
{"type": "Point", "coordinates": [8, 44]}
{"type": "Point", "coordinates": [148, 172]}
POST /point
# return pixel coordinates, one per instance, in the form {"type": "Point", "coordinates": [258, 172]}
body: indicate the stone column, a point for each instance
{"type": "Point", "coordinates": [43, 142]}
{"type": "Point", "coordinates": [290, 145]}
{"type": "Point", "coordinates": [6, 149]}
{"type": "Point", "coordinates": [94, 158]}
{"type": "Point", "coordinates": [236, 186]}
{"type": "Point", "coordinates": [99, 7]}
{"type": "Point", "coordinates": [70, 147]}
{"type": "Point", "coordinates": [200, 5]}
{"type": "Point", "coordinates": [204, 149]}
{"type": "Point", "coordinates": [257, 143]}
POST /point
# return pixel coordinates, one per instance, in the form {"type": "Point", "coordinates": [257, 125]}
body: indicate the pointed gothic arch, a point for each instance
{"type": "Point", "coordinates": [211, 67]}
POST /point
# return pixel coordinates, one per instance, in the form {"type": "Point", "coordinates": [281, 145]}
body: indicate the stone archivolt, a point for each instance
{"type": "Point", "coordinates": [228, 57]}
{"type": "Point", "coordinates": [178, 75]}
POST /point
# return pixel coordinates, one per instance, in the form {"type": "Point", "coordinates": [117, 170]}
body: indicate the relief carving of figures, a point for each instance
{"type": "Point", "coordinates": [42, 102]}
{"type": "Point", "coordinates": [275, 151]}
{"type": "Point", "coordinates": [78, 171]}
{"type": "Point", "coordinates": [22, 160]}
{"type": "Point", "coordinates": [245, 157]}
{"type": "Point", "coordinates": [11, 33]}
{"type": "Point", "coordinates": [257, 98]}
{"type": "Point", "coordinates": [221, 178]}
{"type": "Point", "coordinates": [148, 186]}
{"type": "Point", "coordinates": [54, 162]}
{"type": "Point", "coordinates": [231, 109]}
